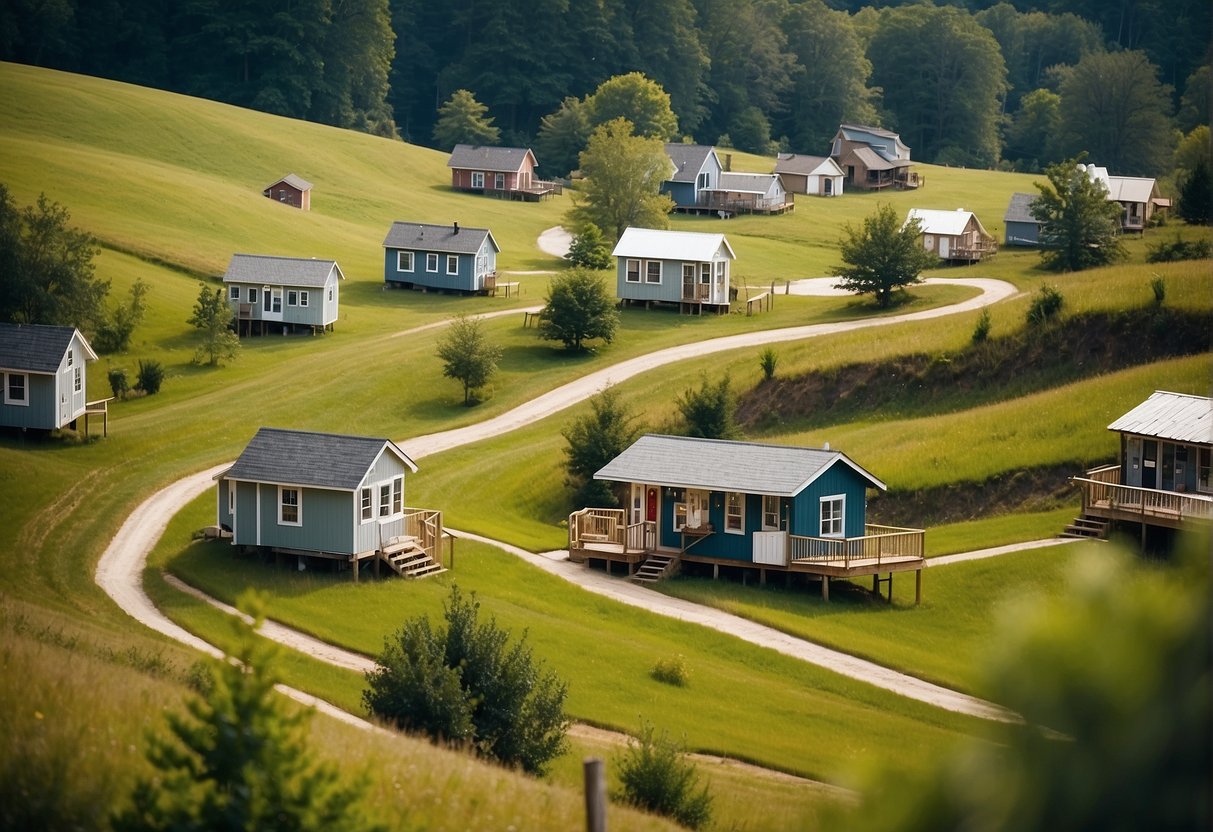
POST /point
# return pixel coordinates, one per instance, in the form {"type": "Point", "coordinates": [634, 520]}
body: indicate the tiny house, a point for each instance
{"type": "Point", "coordinates": [282, 293]}
{"type": "Point", "coordinates": [424, 256]}
{"type": "Point", "coordinates": [1022, 229]}
{"type": "Point", "coordinates": [44, 377]}
{"type": "Point", "coordinates": [953, 235]}
{"type": "Point", "coordinates": [812, 175]}
{"type": "Point", "coordinates": [498, 171]}
{"type": "Point", "coordinates": [688, 268]}
{"type": "Point", "coordinates": [872, 158]}
{"type": "Point", "coordinates": [291, 190]}
{"type": "Point", "coordinates": [695, 170]}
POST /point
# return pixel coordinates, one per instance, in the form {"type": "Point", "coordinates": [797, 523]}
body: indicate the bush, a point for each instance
{"type": "Point", "coordinates": [769, 360]}
{"type": "Point", "coordinates": [465, 684]}
{"type": "Point", "coordinates": [672, 671]}
{"type": "Point", "coordinates": [151, 376]}
{"type": "Point", "coordinates": [118, 382]}
{"type": "Point", "coordinates": [1180, 249]}
{"type": "Point", "coordinates": [1159, 287]}
{"type": "Point", "coordinates": [589, 250]}
{"type": "Point", "coordinates": [708, 412]}
{"type": "Point", "coordinates": [1045, 305]}
{"type": "Point", "coordinates": [982, 330]}
{"type": "Point", "coordinates": [657, 776]}
{"type": "Point", "coordinates": [594, 440]}
{"type": "Point", "coordinates": [580, 307]}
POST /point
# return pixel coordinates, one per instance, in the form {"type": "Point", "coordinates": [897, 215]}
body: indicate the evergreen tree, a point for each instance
{"type": "Point", "coordinates": [623, 181]}
{"type": "Point", "coordinates": [580, 307]}
{"type": "Point", "coordinates": [237, 759]}
{"type": "Point", "coordinates": [467, 356]}
{"type": "Point", "coordinates": [1079, 225]}
{"type": "Point", "coordinates": [594, 440]}
{"type": "Point", "coordinates": [1030, 137]}
{"type": "Point", "coordinates": [213, 317]}
{"type": "Point", "coordinates": [1196, 196]}
{"type": "Point", "coordinates": [710, 411]}
{"type": "Point", "coordinates": [462, 120]}
{"type": "Point", "coordinates": [562, 136]}
{"type": "Point", "coordinates": [589, 250]}
{"type": "Point", "coordinates": [882, 256]}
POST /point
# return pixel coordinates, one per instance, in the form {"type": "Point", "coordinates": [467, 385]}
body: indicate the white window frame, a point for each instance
{"type": "Point", "coordinates": [771, 508]}
{"type": "Point", "coordinates": [705, 273]}
{"type": "Point", "coordinates": [283, 491]}
{"type": "Point", "coordinates": [233, 293]}
{"type": "Point", "coordinates": [385, 500]}
{"type": "Point", "coordinates": [276, 301]}
{"type": "Point", "coordinates": [836, 517]}
{"type": "Point", "coordinates": [397, 496]}
{"type": "Point", "coordinates": [499, 181]}
{"type": "Point", "coordinates": [366, 504]}
{"type": "Point", "coordinates": [252, 295]}
{"type": "Point", "coordinates": [478, 179]}
{"type": "Point", "coordinates": [71, 355]}
{"type": "Point", "coordinates": [431, 262]}
{"type": "Point", "coordinates": [77, 381]}
{"type": "Point", "coordinates": [680, 515]}
{"type": "Point", "coordinates": [648, 277]}
{"type": "Point", "coordinates": [303, 293]}
{"type": "Point", "coordinates": [292, 297]}
{"type": "Point", "coordinates": [730, 515]}
{"type": "Point", "coordinates": [452, 264]}
{"type": "Point", "coordinates": [631, 267]}
{"type": "Point", "coordinates": [405, 261]}
{"type": "Point", "coordinates": [9, 398]}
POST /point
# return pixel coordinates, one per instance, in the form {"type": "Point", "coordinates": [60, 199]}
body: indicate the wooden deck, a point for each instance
{"type": "Point", "coordinates": [1103, 496]}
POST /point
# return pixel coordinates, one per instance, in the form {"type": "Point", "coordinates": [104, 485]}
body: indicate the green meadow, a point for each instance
{"type": "Point", "coordinates": [171, 187]}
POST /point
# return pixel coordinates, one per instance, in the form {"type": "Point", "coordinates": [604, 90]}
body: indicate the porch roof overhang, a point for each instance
{"type": "Point", "coordinates": [1178, 417]}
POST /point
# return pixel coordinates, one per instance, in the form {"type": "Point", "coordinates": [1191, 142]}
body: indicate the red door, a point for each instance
{"type": "Point", "coordinates": [650, 504]}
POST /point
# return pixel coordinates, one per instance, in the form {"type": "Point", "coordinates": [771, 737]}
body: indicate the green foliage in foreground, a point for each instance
{"type": "Point", "coordinates": [465, 685]}
{"type": "Point", "coordinates": [1079, 225]}
{"type": "Point", "coordinates": [239, 759]}
{"type": "Point", "coordinates": [657, 776]}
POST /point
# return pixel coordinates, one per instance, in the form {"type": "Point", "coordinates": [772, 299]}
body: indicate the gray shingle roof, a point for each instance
{"type": "Point", "coordinates": [1180, 417]}
{"type": "Point", "coordinates": [724, 465]}
{"type": "Point", "coordinates": [294, 181]}
{"type": "Point", "coordinates": [872, 160]}
{"type": "Point", "coordinates": [455, 239]}
{"type": "Point", "coordinates": [496, 159]}
{"type": "Point", "coordinates": [321, 460]}
{"type": "Point", "coordinates": [688, 160]}
{"type": "Point", "coordinates": [1019, 209]}
{"type": "Point", "coordinates": [798, 163]}
{"type": "Point", "coordinates": [280, 271]}
{"type": "Point", "coordinates": [36, 348]}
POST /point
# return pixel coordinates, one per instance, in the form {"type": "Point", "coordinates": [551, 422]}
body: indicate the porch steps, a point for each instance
{"type": "Point", "coordinates": [1086, 528]}
{"type": "Point", "coordinates": [655, 568]}
{"type": "Point", "coordinates": [408, 559]}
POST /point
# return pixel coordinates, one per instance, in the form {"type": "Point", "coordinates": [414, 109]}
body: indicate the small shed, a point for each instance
{"type": "Point", "coordinates": [688, 268]}
{"type": "Point", "coordinates": [953, 235]}
{"type": "Point", "coordinates": [291, 190]}
{"type": "Point", "coordinates": [447, 257]}
{"type": "Point", "coordinates": [282, 293]}
{"type": "Point", "coordinates": [43, 370]}
{"type": "Point", "coordinates": [813, 175]}
{"type": "Point", "coordinates": [1022, 229]}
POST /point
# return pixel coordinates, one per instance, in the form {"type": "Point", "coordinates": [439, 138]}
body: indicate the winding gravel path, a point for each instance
{"type": "Point", "coordinates": [120, 569]}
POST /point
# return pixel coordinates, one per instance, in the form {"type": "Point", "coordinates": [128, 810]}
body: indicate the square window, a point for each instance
{"type": "Point", "coordinates": [652, 271]}
{"type": "Point", "coordinates": [233, 293]}
{"type": "Point", "coordinates": [404, 261]}
{"type": "Point", "coordinates": [452, 264]}
{"type": "Point", "coordinates": [633, 271]}
{"type": "Point", "coordinates": [288, 507]}
{"type": "Point", "coordinates": [431, 262]}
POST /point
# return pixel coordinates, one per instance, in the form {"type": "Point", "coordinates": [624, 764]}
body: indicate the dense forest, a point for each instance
{"type": "Point", "coordinates": [1017, 84]}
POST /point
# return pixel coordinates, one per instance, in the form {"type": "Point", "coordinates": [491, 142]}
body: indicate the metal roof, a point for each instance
{"type": "Point", "coordinates": [297, 182]}
{"type": "Point", "coordinates": [1180, 417]}
{"type": "Point", "coordinates": [496, 159]}
{"type": "Point", "coordinates": [878, 139]}
{"type": "Point", "coordinates": [802, 165]}
{"type": "Point", "coordinates": [1123, 188]}
{"type": "Point", "coordinates": [724, 465]}
{"type": "Point", "coordinates": [1019, 209]}
{"type": "Point", "coordinates": [280, 271]}
{"type": "Point", "coordinates": [671, 245]}
{"type": "Point", "coordinates": [741, 182]}
{"type": "Point", "coordinates": [688, 159]}
{"type": "Point", "coordinates": [945, 223]}
{"type": "Point", "coordinates": [454, 238]}
{"type": "Point", "coordinates": [35, 348]}
{"type": "Point", "coordinates": [320, 460]}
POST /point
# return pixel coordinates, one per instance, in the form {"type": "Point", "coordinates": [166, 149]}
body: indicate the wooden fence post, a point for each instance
{"type": "Point", "coordinates": [595, 795]}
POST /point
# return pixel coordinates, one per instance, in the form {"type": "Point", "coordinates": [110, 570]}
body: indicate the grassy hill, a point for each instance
{"type": "Point", "coordinates": [172, 187]}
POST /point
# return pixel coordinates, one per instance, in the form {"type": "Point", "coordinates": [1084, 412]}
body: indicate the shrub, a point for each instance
{"type": "Point", "coordinates": [589, 250]}
{"type": "Point", "coordinates": [657, 776]}
{"type": "Point", "coordinates": [708, 412]}
{"type": "Point", "coordinates": [118, 382]}
{"type": "Point", "coordinates": [465, 684]}
{"type": "Point", "coordinates": [768, 359]}
{"type": "Point", "coordinates": [1179, 249]}
{"type": "Point", "coordinates": [672, 671]}
{"type": "Point", "coordinates": [1159, 287]}
{"type": "Point", "coordinates": [580, 307]}
{"type": "Point", "coordinates": [982, 330]}
{"type": "Point", "coordinates": [151, 376]}
{"type": "Point", "coordinates": [1045, 305]}
{"type": "Point", "coordinates": [594, 440]}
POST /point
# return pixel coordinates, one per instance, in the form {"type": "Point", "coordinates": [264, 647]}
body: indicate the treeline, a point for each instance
{"type": "Point", "coordinates": [973, 83]}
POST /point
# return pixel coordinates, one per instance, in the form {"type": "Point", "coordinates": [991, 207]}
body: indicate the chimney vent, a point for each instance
{"type": "Point", "coordinates": [456, 228]}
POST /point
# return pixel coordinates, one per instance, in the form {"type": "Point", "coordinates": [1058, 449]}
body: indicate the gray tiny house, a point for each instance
{"type": "Point", "coordinates": [329, 496]}
{"type": "Point", "coordinates": [1022, 229]}
{"type": "Point", "coordinates": [44, 376]}
{"type": "Point", "coordinates": [687, 268]}
{"type": "Point", "coordinates": [447, 257]}
{"type": "Point", "coordinates": [282, 293]}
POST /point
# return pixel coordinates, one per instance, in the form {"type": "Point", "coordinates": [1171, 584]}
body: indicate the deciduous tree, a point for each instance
{"type": "Point", "coordinates": [1030, 137]}
{"type": "Point", "coordinates": [467, 356]}
{"type": "Point", "coordinates": [1079, 226]}
{"type": "Point", "coordinates": [637, 99]}
{"type": "Point", "coordinates": [114, 334]}
{"type": "Point", "coordinates": [580, 307]}
{"type": "Point", "coordinates": [463, 120]}
{"type": "Point", "coordinates": [657, 777]}
{"type": "Point", "coordinates": [623, 180]}
{"type": "Point", "coordinates": [594, 440]}
{"type": "Point", "coordinates": [589, 250]}
{"type": "Point", "coordinates": [213, 317]}
{"type": "Point", "coordinates": [882, 256]}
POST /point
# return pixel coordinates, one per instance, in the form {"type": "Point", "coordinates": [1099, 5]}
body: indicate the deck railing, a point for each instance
{"type": "Point", "coordinates": [596, 525]}
{"type": "Point", "coordinates": [1107, 492]}
{"type": "Point", "coordinates": [878, 543]}
{"type": "Point", "coordinates": [425, 525]}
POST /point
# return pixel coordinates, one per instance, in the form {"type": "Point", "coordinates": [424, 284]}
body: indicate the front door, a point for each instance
{"type": "Point", "coordinates": [688, 281]}
{"type": "Point", "coordinates": [271, 304]}
{"type": "Point", "coordinates": [1149, 464]}
{"type": "Point", "coordinates": [944, 243]}
{"type": "Point", "coordinates": [829, 185]}
{"type": "Point", "coordinates": [650, 504]}
{"type": "Point", "coordinates": [697, 508]}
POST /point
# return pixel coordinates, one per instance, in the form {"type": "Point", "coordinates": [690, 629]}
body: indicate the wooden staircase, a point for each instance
{"type": "Point", "coordinates": [655, 568]}
{"type": "Point", "coordinates": [1086, 528]}
{"type": "Point", "coordinates": [407, 559]}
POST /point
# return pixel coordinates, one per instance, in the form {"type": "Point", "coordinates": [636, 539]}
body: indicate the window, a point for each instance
{"type": "Point", "coordinates": [330, 294]}
{"type": "Point", "coordinates": [770, 513]}
{"type": "Point", "coordinates": [477, 179]}
{"type": "Point", "coordinates": [928, 241]}
{"type": "Point", "coordinates": [385, 499]}
{"type": "Point", "coordinates": [252, 295]}
{"type": "Point", "coordinates": [288, 507]}
{"type": "Point", "coordinates": [70, 356]}
{"type": "Point", "coordinates": [734, 512]}
{"type": "Point", "coordinates": [721, 265]}
{"type": "Point", "coordinates": [431, 262]}
{"type": "Point", "coordinates": [452, 264]}
{"type": "Point", "coordinates": [398, 495]}
{"type": "Point", "coordinates": [14, 389]}
{"type": "Point", "coordinates": [292, 298]}
{"type": "Point", "coordinates": [499, 181]}
{"type": "Point", "coordinates": [705, 272]}
{"type": "Point", "coordinates": [482, 263]}
{"type": "Point", "coordinates": [652, 271]}
{"type": "Point", "coordinates": [368, 511]}
{"type": "Point", "coordinates": [303, 297]}
{"type": "Point", "coordinates": [233, 293]}
{"type": "Point", "coordinates": [276, 296]}
{"type": "Point", "coordinates": [77, 381]}
{"type": "Point", "coordinates": [1202, 471]}
{"type": "Point", "coordinates": [632, 274]}
{"type": "Point", "coordinates": [231, 498]}
{"type": "Point", "coordinates": [832, 510]}
{"type": "Point", "coordinates": [680, 516]}
{"type": "Point", "coordinates": [404, 261]}
{"type": "Point", "coordinates": [704, 180]}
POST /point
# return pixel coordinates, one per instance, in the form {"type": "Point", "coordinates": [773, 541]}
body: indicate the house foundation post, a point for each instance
{"type": "Point", "coordinates": [357, 566]}
{"type": "Point", "coordinates": [762, 577]}
{"type": "Point", "coordinates": [825, 587]}
{"type": "Point", "coordinates": [917, 587]}
{"type": "Point", "coordinates": [715, 571]}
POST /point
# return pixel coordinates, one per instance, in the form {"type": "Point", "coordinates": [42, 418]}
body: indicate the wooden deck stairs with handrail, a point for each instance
{"type": "Point", "coordinates": [1086, 528]}
{"type": "Point", "coordinates": [655, 568]}
{"type": "Point", "coordinates": [408, 559]}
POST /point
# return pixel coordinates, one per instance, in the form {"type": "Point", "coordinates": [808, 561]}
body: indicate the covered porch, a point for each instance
{"type": "Point", "coordinates": [1105, 497]}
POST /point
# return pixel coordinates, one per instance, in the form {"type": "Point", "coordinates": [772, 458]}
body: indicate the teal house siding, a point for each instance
{"type": "Point", "coordinates": [669, 290]}
{"type": "Point", "coordinates": [245, 527]}
{"type": "Point", "coordinates": [41, 410]}
{"type": "Point", "coordinates": [838, 479]}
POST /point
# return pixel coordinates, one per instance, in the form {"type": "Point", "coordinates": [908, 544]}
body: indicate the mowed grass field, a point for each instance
{"type": "Point", "coordinates": [171, 187]}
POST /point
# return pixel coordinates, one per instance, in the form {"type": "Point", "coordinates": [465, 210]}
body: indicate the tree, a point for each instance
{"type": "Point", "coordinates": [1030, 138]}
{"type": "Point", "coordinates": [358, 48]}
{"type": "Point", "coordinates": [465, 683]}
{"type": "Point", "coordinates": [709, 412]}
{"type": "Point", "coordinates": [462, 120]}
{"type": "Point", "coordinates": [1079, 226]}
{"type": "Point", "coordinates": [238, 758]}
{"type": "Point", "coordinates": [1114, 108]}
{"type": "Point", "coordinates": [594, 440]}
{"type": "Point", "coordinates": [882, 256]}
{"type": "Point", "coordinates": [589, 250]}
{"type": "Point", "coordinates": [562, 136]}
{"type": "Point", "coordinates": [638, 100]}
{"type": "Point", "coordinates": [657, 776]}
{"type": "Point", "coordinates": [579, 307]}
{"type": "Point", "coordinates": [1194, 148]}
{"type": "Point", "coordinates": [623, 181]}
{"type": "Point", "coordinates": [114, 334]}
{"type": "Point", "coordinates": [467, 355]}
{"type": "Point", "coordinates": [46, 267]}
{"type": "Point", "coordinates": [1196, 196]}
{"type": "Point", "coordinates": [213, 316]}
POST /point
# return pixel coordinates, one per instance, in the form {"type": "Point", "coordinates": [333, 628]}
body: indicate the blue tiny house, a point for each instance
{"type": "Point", "coordinates": [689, 268]}
{"type": "Point", "coordinates": [742, 504]}
{"type": "Point", "coordinates": [1022, 229]}
{"type": "Point", "coordinates": [44, 375]}
{"type": "Point", "coordinates": [282, 292]}
{"type": "Point", "coordinates": [330, 496]}
{"type": "Point", "coordinates": [696, 170]}
{"type": "Point", "coordinates": [440, 257]}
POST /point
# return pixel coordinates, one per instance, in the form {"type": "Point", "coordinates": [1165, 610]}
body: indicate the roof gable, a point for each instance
{"type": "Point", "coordinates": [672, 245]}
{"type": "Point", "coordinates": [496, 159]}
{"type": "Point", "coordinates": [36, 348]}
{"type": "Point", "coordinates": [886, 143]}
{"type": "Point", "coordinates": [280, 271]}
{"type": "Point", "coordinates": [320, 460]}
{"type": "Point", "coordinates": [725, 465]}
{"type": "Point", "coordinates": [689, 160]}
{"type": "Point", "coordinates": [799, 164]}
{"type": "Point", "coordinates": [296, 182]}
{"type": "Point", "coordinates": [1019, 209]}
{"type": "Point", "coordinates": [1180, 417]}
{"type": "Point", "coordinates": [453, 239]}
{"type": "Point", "coordinates": [944, 223]}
